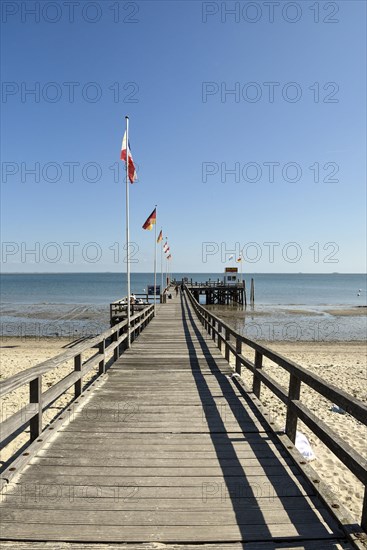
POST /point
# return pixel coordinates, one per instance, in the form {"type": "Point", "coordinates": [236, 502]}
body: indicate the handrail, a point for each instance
{"type": "Point", "coordinates": [108, 342]}
{"type": "Point", "coordinates": [215, 284]}
{"type": "Point", "coordinates": [221, 334]}
{"type": "Point", "coordinates": [136, 294]}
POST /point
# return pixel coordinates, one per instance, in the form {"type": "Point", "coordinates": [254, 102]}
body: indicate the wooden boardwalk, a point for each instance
{"type": "Point", "coordinates": [166, 450]}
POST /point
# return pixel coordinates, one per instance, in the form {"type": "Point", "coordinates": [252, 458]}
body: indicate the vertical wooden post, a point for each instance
{"type": "Point", "coordinates": [213, 330]}
{"type": "Point", "coordinates": [78, 368]}
{"type": "Point", "coordinates": [293, 394]}
{"type": "Point", "coordinates": [252, 292]}
{"type": "Point", "coordinates": [364, 511]}
{"type": "Point", "coordinates": [219, 342]}
{"type": "Point", "coordinates": [238, 352]}
{"type": "Point", "coordinates": [256, 382]}
{"type": "Point", "coordinates": [35, 396]}
{"type": "Point", "coordinates": [116, 352]}
{"type": "Point", "coordinates": [227, 337]}
{"type": "Point", "coordinates": [102, 364]}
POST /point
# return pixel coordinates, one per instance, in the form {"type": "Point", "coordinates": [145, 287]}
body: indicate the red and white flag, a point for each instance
{"type": "Point", "coordinates": [166, 247]}
{"type": "Point", "coordinates": [131, 167]}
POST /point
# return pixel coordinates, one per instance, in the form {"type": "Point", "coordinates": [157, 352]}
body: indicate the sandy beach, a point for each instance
{"type": "Point", "coordinates": [18, 354]}
{"type": "Point", "coordinates": [343, 364]}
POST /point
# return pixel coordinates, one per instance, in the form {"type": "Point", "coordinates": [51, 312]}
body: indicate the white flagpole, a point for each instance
{"type": "Point", "coordinates": [155, 259]}
{"type": "Point", "coordinates": [127, 233]}
{"type": "Point", "coordinates": [161, 245]}
{"type": "Point", "coordinates": [165, 282]}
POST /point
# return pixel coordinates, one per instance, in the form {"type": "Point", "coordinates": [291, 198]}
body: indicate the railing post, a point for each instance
{"type": "Point", "coordinates": [78, 368]}
{"type": "Point", "coordinates": [115, 337]}
{"type": "Point", "coordinates": [238, 353]}
{"type": "Point", "coordinates": [35, 396]}
{"type": "Point", "coordinates": [364, 511]}
{"type": "Point", "coordinates": [227, 337]}
{"type": "Point", "coordinates": [219, 342]}
{"type": "Point", "coordinates": [292, 418]}
{"type": "Point", "coordinates": [256, 382]}
{"type": "Point", "coordinates": [208, 326]}
{"type": "Point", "coordinates": [102, 363]}
{"type": "Point", "coordinates": [213, 330]}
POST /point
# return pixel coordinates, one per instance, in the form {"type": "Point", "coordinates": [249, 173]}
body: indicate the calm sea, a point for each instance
{"type": "Point", "coordinates": [287, 306]}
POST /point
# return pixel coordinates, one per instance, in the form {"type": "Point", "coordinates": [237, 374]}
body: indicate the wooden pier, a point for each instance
{"type": "Point", "coordinates": [219, 293]}
{"type": "Point", "coordinates": [167, 449]}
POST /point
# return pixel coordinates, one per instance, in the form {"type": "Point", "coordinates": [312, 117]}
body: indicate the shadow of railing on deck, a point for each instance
{"type": "Point", "coordinates": [239, 487]}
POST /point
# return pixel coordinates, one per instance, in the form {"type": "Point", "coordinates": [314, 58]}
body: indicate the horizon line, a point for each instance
{"type": "Point", "coordinates": [180, 272]}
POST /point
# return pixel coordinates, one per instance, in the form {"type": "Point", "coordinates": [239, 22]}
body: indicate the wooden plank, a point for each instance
{"type": "Point", "coordinates": [331, 544]}
{"type": "Point", "coordinates": [279, 485]}
{"type": "Point", "coordinates": [264, 516]}
{"type": "Point", "coordinates": [72, 460]}
{"type": "Point", "coordinates": [38, 470]}
{"type": "Point", "coordinates": [75, 500]}
{"type": "Point", "coordinates": [130, 490]}
{"type": "Point", "coordinates": [177, 533]}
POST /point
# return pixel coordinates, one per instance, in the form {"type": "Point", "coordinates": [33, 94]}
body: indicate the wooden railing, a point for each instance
{"type": "Point", "coordinates": [109, 345]}
{"type": "Point", "coordinates": [231, 343]}
{"type": "Point", "coordinates": [118, 308]}
{"type": "Point", "coordinates": [215, 284]}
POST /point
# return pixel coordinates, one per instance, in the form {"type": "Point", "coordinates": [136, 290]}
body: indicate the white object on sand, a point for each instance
{"type": "Point", "coordinates": [303, 446]}
{"type": "Point", "coordinates": [337, 409]}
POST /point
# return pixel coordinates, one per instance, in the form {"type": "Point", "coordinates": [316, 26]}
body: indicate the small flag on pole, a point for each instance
{"type": "Point", "coordinates": [166, 247]}
{"type": "Point", "coordinates": [239, 259]}
{"type": "Point", "coordinates": [160, 236]}
{"type": "Point", "coordinates": [151, 220]}
{"type": "Point", "coordinates": [169, 257]}
{"type": "Point", "coordinates": [231, 258]}
{"type": "Point", "coordinates": [131, 167]}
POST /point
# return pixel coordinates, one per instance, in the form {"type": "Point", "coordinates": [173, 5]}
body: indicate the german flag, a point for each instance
{"type": "Point", "coordinates": [160, 236]}
{"type": "Point", "coordinates": [151, 220]}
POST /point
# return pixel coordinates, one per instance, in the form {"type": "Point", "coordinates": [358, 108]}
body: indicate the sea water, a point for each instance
{"type": "Point", "coordinates": [287, 306]}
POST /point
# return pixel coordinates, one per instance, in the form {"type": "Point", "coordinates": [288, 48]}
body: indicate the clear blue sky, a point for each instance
{"type": "Point", "coordinates": [184, 132]}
